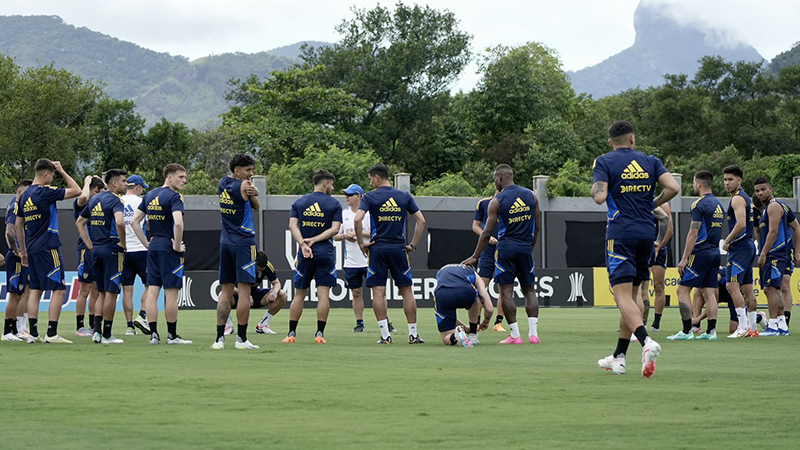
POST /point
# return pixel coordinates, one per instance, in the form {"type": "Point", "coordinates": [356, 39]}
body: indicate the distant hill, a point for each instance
{"type": "Point", "coordinates": [662, 46]}
{"type": "Point", "coordinates": [293, 51]}
{"type": "Point", "coordinates": [788, 58]}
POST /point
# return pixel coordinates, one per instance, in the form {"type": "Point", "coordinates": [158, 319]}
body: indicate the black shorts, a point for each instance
{"type": "Point", "coordinates": [165, 269]}
{"type": "Point", "coordinates": [354, 277]}
{"type": "Point", "coordinates": [46, 271]}
{"type": "Point", "coordinates": [135, 265]}
{"type": "Point", "coordinates": [627, 260]}
{"type": "Point", "coordinates": [16, 274]}
{"type": "Point", "coordinates": [702, 270]}
{"type": "Point", "coordinates": [447, 300]}
{"type": "Point", "coordinates": [108, 262]}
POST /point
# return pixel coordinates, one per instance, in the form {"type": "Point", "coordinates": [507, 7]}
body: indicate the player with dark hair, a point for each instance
{"type": "Point", "coordinates": [164, 209]}
{"type": "Point", "coordinates": [625, 180]}
{"type": "Point", "coordinates": [238, 197]}
{"type": "Point", "coordinates": [135, 258]}
{"type": "Point", "coordinates": [515, 211]}
{"type": "Point", "coordinates": [388, 208]}
{"type": "Point", "coordinates": [741, 253]}
{"type": "Point", "coordinates": [658, 267]}
{"type": "Point", "coordinates": [105, 238]}
{"type": "Point", "coordinates": [272, 298]}
{"type": "Point", "coordinates": [16, 273]}
{"type": "Point", "coordinates": [92, 185]}
{"type": "Point", "coordinates": [486, 260]}
{"type": "Point", "coordinates": [701, 258]}
{"type": "Point", "coordinates": [40, 250]}
{"type": "Point", "coordinates": [786, 284]}
{"type": "Point", "coordinates": [458, 287]}
{"type": "Point", "coordinates": [313, 221]}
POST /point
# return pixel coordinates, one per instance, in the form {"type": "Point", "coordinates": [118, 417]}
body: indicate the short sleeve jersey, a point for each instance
{"type": "Point", "coordinates": [388, 209]}
{"type": "Point", "coordinates": [236, 214]}
{"type": "Point", "coordinates": [517, 222]}
{"type": "Point", "coordinates": [779, 249]}
{"type": "Point", "coordinates": [315, 213]}
{"type": "Point", "coordinates": [158, 205]}
{"type": "Point", "coordinates": [38, 205]}
{"type": "Point", "coordinates": [268, 273]}
{"type": "Point", "coordinates": [482, 212]}
{"type": "Point", "coordinates": [708, 211]}
{"type": "Point", "coordinates": [747, 233]}
{"type": "Point", "coordinates": [11, 214]}
{"type": "Point", "coordinates": [631, 177]}
{"type": "Point", "coordinates": [76, 212]}
{"type": "Point", "coordinates": [102, 225]}
{"type": "Point", "coordinates": [456, 276]}
{"type": "Point", "coordinates": [353, 256]}
{"type": "Point", "coordinates": [131, 203]}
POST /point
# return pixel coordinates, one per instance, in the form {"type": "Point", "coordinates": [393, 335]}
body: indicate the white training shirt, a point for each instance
{"type": "Point", "coordinates": [353, 257]}
{"type": "Point", "coordinates": [133, 243]}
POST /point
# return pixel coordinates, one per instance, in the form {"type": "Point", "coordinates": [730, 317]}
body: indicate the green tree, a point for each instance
{"type": "Point", "coordinates": [346, 165]}
{"type": "Point", "coordinates": [116, 131]}
{"type": "Point", "coordinates": [168, 142]}
{"type": "Point", "coordinates": [448, 185]}
{"type": "Point", "coordinates": [571, 181]}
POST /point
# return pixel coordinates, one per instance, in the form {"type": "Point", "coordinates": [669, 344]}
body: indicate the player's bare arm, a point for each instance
{"type": "Point", "coordinates": [83, 198]}
{"type": "Point", "coordinates": [177, 231]}
{"type": "Point", "coordinates": [358, 222]}
{"type": "Point", "coordinates": [83, 231]}
{"type": "Point", "coordinates": [774, 212]}
{"type": "Point", "coordinates": [73, 189]}
{"type": "Point", "coordinates": [600, 192]}
{"type": "Point", "coordinates": [796, 232]}
{"type": "Point", "coordinates": [419, 227]}
{"type": "Point", "coordinates": [136, 225]}
{"type": "Point", "coordinates": [691, 239]}
{"type": "Point", "coordinates": [250, 192]}
{"type": "Point", "coordinates": [11, 237]}
{"type": "Point", "coordinates": [325, 235]}
{"type": "Point", "coordinates": [537, 225]}
{"type": "Point", "coordinates": [23, 254]}
{"type": "Point", "coordinates": [739, 206]}
{"type": "Point", "coordinates": [487, 303]}
{"type": "Point", "coordinates": [294, 228]}
{"type": "Point", "coordinates": [119, 219]}
{"type": "Point", "coordinates": [670, 189]}
{"type": "Point", "coordinates": [491, 222]}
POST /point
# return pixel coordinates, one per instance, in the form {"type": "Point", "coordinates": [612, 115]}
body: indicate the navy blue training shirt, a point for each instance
{"type": "Point", "coordinates": [315, 213]}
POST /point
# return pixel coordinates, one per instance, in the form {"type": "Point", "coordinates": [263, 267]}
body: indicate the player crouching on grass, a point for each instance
{"type": "Point", "coordinates": [458, 286]}
{"type": "Point", "coordinates": [272, 298]}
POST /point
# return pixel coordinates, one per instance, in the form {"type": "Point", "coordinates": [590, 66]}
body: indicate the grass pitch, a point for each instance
{"type": "Point", "coordinates": [352, 393]}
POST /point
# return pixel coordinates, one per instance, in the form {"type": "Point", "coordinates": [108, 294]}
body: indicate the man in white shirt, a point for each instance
{"type": "Point", "coordinates": [135, 257]}
{"type": "Point", "coordinates": [355, 262]}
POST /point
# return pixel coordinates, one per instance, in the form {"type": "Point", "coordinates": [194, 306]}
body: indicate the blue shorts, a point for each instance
{"type": "Point", "coordinates": [702, 270]}
{"type": "Point", "coordinates": [237, 264]}
{"type": "Point", "coordinates": [385, 259]}
{"type": "Point", "coordinates": [790, 266]}
{"type": "Point", "coordinates": [165, 269]}
{"type": "Point", "coordinates": [108, 264]}
{"type": "Point", "coordinates": [46, 271]}
{"type": "Point", "coordinates": [16, 274]}
{"type": "Point", "coordinates": [739, 268]}
{"type": "Point", "coordinates": [486, 262]}
{"type": "Point", "coordinates": [772, 273]}
{"type": "Point", "coordinates": [135, 264]}
{"type": "Point", "coordinates": [660, 259]}
{"type": "Point", "coordinates": [321, 270]}
{"type": "Point", "coordinates": [514, 263]}
{"type": "Point", "coordinates": [257, 294]}
{"type": "Point", "coordinates": [447, 300]}
{"type": "Point", "coordinates": [354, 277]}
{"type": "Point", "coordinates": [85, 266]}
{"type": "Point", "coordinates": [627, 260]}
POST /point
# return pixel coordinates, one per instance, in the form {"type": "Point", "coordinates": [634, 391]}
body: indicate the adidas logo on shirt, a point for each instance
{"type": "Point", "coordinates": [390, 206]}
{"type": "Point", "coordinates": [518, 207]}
{"type": "Point", "coordinates": [225, 198]}
{"type": "Point", "coordinates": [154, 205]}
{"type": "Point", "coordinates": [718, 214]}
{"type": "Point", "coordinates": [97, 210]}
{"type": "Point", "coordinates": [634, 172]}
{"type": "Point", "coordinates": [29, 206]}
{"type": "Point", "coordinates": [314, 211]}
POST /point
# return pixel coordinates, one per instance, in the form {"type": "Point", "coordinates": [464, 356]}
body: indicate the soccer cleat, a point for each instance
{"type": "Point", "coordinates": [56, 340]}
{"type": "Point", "coordinates": [615, 365]}
{"type": "Point", "coordinates": [499, 327]}
{"type": "Point", "coordinates": [708, 336]}
{"type": "Point", "coordinates": [9, 337]}
{"type": "Point", "coordinates": [696, 329]}
{"type": "Point", "coordinates": [142, 325]}
{"type": "Point", "coordinates": [533, 339]}
{"type": "Point", "coordinates": [359, 329]}
{"type": "Point", "coordinates": [265, 329]}
{"type": "Point", "coordinates": [228, 330]}
{"type": "Point", "coordinates": [320, 340]}
{"type": "Point", "coordinates": [415, 339]}
{"type": "Point", "coordinates": [246, 345]}
{"type": "Point", "coordinates": [654, 329]}
{"type": "Point", "coordinates": [288, 340]}
{"type": "Point", "coordinates": [177, 340]}
{"type": "Point", "coordinates": [391, 328]}
{"type": "Point", "coordinates": [461, 338]}
{"type": "Point", "coordinates": [785, 332]}
{"type": "Point", "coordinates": [96, 338]}
{"type": "Point", "coordinates": [23, 334]}
{"type": "Point", "coordinates": [474, 339]}
{"type": "Point", "coordinates": [81, 332]}
{"type": "Point", "coordinates": [764, 320]}
{"type": "Point", "coordinates": [769, 332]}
{"type": "Point", "coordinates": [130, 332]}
{"type": "Point", "coordinates": [752, 334]}
{"type": "Point", "coordinates": [111, 340]}
{"type": "Point", "coordinates": [219, 344]}
{"type": "Point", "coordinates": [155, 339]}
{"type": "Point", "coordinates": [388, 340]}
{"type": "Point", "coordinates": [739, 333]}
{"type": "Point", "coordinates": [681, 336]}
{"type": "Point", "coordinates": [35, 339]}
{"type": "Point", "coordinates": [650, 353]}
{"type": "Point", "coordinates": [511, 340]}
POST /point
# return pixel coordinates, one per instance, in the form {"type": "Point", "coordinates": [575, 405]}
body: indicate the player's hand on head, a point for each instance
{"type": "Point", "coordinates": [470, 261]}
{"type": "Point", "coordinates": [57, 165]}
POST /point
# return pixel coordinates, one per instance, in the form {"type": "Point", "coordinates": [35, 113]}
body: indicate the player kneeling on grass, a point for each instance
{"type": "Point", "coordinates": [458, 287]}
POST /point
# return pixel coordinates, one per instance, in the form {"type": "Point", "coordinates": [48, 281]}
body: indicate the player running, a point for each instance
{"type": "Point", "coordinates": [625, 180]}
{"type": "Point", "coordinates": [135, 258]}
{"type": "Point", "coordinates": [486, 260]}
{"type": "Point", "coordinates": [16, 273]}
{"type": "Point", "coordinates": [458, 287]}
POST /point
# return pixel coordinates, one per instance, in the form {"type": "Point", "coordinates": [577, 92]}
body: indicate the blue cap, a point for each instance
{"type": "Point", "coordinates": [353, 189]}
{"type": "Point", "coordinates": [134, 180]}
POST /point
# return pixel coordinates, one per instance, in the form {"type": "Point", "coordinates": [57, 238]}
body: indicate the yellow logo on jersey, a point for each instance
{"type": "Point", "coordinates": [97, 210]}
{"type": "Point", "coordinates": [390, 206]}
{"type": "Point", "coordinates": [225, 198]}
{"type": "Point", "coordinates": [154, 205]}
{"type": "Point", "coordinates": [29, 206]}
{"type": "Point", "coordinates": [314, 210]}
{"type": "Point", "coordinates": [718, 214]}
{"type": "Point", "coordinates": [518, 207]}
{"type": "Point", "coordinates": [634, 172]}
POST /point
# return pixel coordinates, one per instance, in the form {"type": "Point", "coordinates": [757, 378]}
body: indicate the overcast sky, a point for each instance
{"type": "Point", "coordinates": [584, 32]}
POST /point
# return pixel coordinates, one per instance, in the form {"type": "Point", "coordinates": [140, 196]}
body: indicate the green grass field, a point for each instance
{"type": "Point", "coordinates": [352, 393]}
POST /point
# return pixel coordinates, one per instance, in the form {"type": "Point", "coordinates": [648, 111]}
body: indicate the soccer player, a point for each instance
{"type": "Point", "coordinates": [486, 260]}
{"type": "Point", "coordinates": [355, 262]}
{"type": "Point", "coordinates": [741, 253]}
{"type": "Point", "coordinates": [135, 258]}
{"type": "Point", "coordinates": [515, 211]}
{"type": "Point", "coordinates": [625, 180]}
{"type": "Point", "coordinates": [458, 287]}
{"type": "Point", "coordinates": [272, 298]}
{"type": "Point", "coordinates": [92, 186]}
{"type": "Point", "coordinates": [700, 262]}
{"type": "Point", "coordinates": [164, 209]}
{"type": "Point", "coordinates": [238, 197]}
{"type": "Point", "coordinates": [106, 226]}
{"type": "Point", "coordinates": [658, 266]}
{"type": "Point", "coordinates": [314, 220]}
{"type": "Point", "coordinates": [37, 221]}
{"type": "Point", "coordinates": [16, 273]}
{"type": "Point", "coordinates": [387, 247]}
{"type": "Point", "coordinates": [774, 256]}
{"type": "Point", "coordinates": [786, 284]}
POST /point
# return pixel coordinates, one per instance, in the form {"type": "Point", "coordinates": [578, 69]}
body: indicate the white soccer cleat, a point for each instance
{"type": "Point", "coordinates": [473, 337]}
{"type": "Point", "coordinates": [228, 330]}
{"type": "Point", "coordinates": [111, 340]}
{"type": "Point", "coordinates": [130, 332]}
{"type": "Point", "coordinates": [10, 337]}
{"type": "Point", "coordinates": [35, 339]}
{"type": "Point", "coordinates": [82, 332]}
{"type": "Point", "coordinates": [764, 321]}
{"type": "Point", "coordinates": [739, 333]}
{"type": "Point", "coordinates": [264, 329]}
{"type": "Point", "coordinates": [178, 341]}
{"type": "Point", "coordinates": [246, 345]}
{"type": "Point", "coordinates": [141, 324]}
{"type": "Point", "coordinates": [97, 337]}
{"type": "Point", "coordinates": [461, 338]}
{"type": "Point", "coordinates": [650, 353]}
{"type": "Point", "coordinates": [56, 340]}
{"type": "Point", "coordinates": [219, 344]}
{"type": "Point", "coordinates": [155, 340]}
{"type": "Point", "coordinates": [615, 365]}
